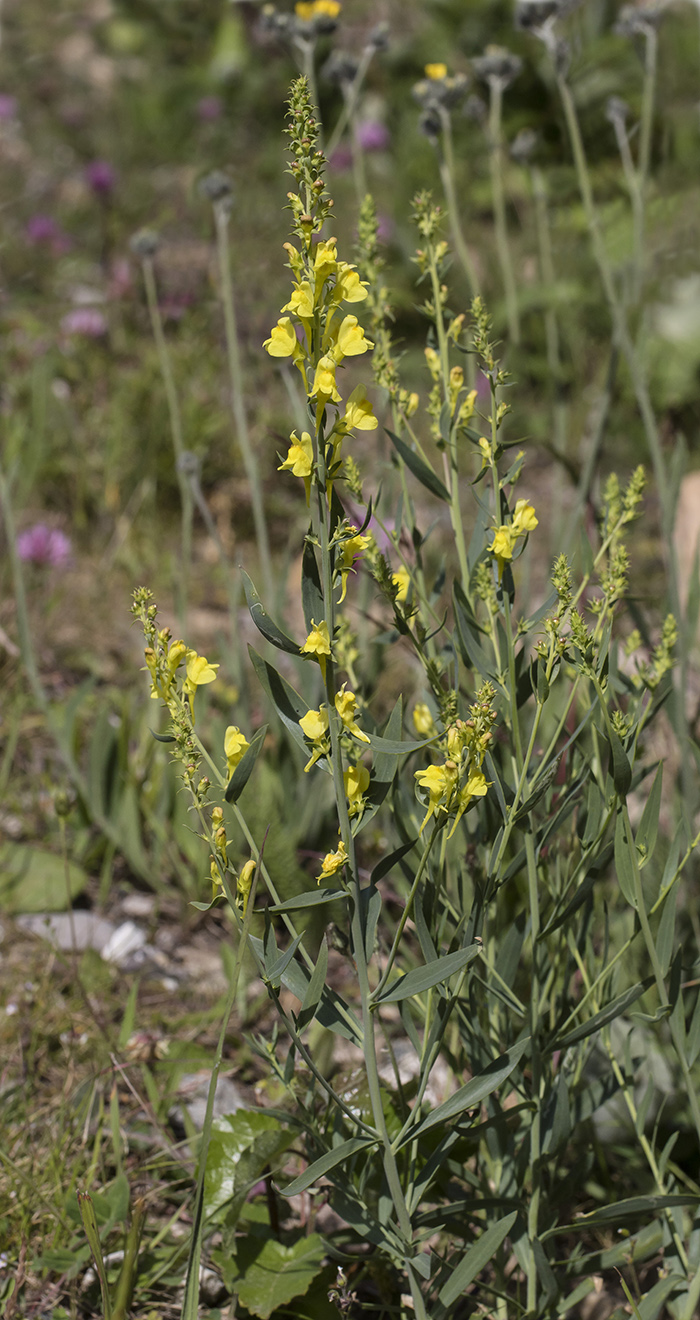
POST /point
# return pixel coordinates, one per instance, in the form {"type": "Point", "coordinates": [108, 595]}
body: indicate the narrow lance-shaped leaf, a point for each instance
{"type": "Point", "coordinates": [263, 622]}
{"type": "Point", "coordinates": [245, 766]}
{"type": "Point", "coordinates": [477, 1258]}
{"type": "Point", "coordinates": [419, 468]}
{"type": "Point", "coordinates": [471, 1095]}
{"type": "Point", "coordinates": [433, 973]}
{"type": "Point", "coordinates": [311, 589]}
{"type": "Point", "coordinates": [338, 1155]}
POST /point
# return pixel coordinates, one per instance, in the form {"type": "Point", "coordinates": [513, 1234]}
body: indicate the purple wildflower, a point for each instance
{"type": "Point", "coordinates": [385, 228]}
{"type": "Point", "coordinates": [8, 106]}
{"type": "Point", "coordinates": [87, 321]}
{"type": "Point", "coordinates": [44, 545]}
{"type": "Point", "coordinates": [373, 135]}
{"type": "Point", "coordinates": [101, 177]}
{"type": "Point", "coordinates": [43, 229]}
{"type": "Point", "coordinates": [209, 108]}
{"type": "Point", "coordinates": [341, 160]}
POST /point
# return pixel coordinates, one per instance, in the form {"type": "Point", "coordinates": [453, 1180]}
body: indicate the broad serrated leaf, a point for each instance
{"type": "Point", "coordinates": [264, 623]}
{"type": "Point", "coordinates": [241, 1145]}
{"type": "Point", "coordinates": [419, 468]}
{"type": "Point", "coordinates": [245, 766]}
{"type": "Point", "coordinates": [433, 973]}
{"type": "Point", "coordinates": [272, 1274]}
{"type": "Point", "coordinates": [477, 1258]}
{"type": "Point", "coordinates": [323, 1165]}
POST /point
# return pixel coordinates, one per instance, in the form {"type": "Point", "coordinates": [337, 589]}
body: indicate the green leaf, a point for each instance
{"type": "Point", "coordinates": [311, 589]}
{"type": "Point", "coordinates": [650, 1306]}
{"type": "Point", "coordinates": [264, 623]}
{"type": "Point", "coordinates": [278, 966]}
{"type": "Point", "coordinates": [370, 912]}
{"type": "Point", "coordinates": [667, 929]}
{"type": "Point", "coordinates": [162, 737]}
{"type": "Point", "coordinates": [613, 1010]}
{"type": "Point", "coordinates": [245, 766]}
{"type": "Point", "coordinates": [621, 1211]}
{"type": "Point", "coordinates": [471, 1095]}
{"type": "Point", "coordinates": [332, 1012]}
{"type": "Point", "coordinates": [286, 700]}
{"type": "Point", "coordinates": [92, 1233]}
{"type": "Point", "coordinates": [624, 866]}
{"type": "Point", "coordinates": [477, 1258]}
{"type": "Point", "coordinates": [35, 880]}
{"type": "Point", "coordinates": [387, 864]}
{"type": "Point", "coordinates": [314, 898]}
{"type": "Point", "coordinates": [419, 468]}
{"type": "Point", "coordinates": [649, 824]}
{"type": "Point", "coordinates": [433, 973]}
{"type": "Point", "coordinates": [621, 768]}
{"type": "Point", "coordinates": [272, 1274]}
{"type": "Point", "coordinates": [325, 1163]}
{"type": "Point", "coordinates": [314, 990]}
{"type": "Point", "coordinates": [394, 747]}
{"type": "Point", "coordinates": [241, 1146]}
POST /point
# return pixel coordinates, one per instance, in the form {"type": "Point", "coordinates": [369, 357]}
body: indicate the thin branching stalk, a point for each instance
{"type": "Point", "coordinates": [496, 158]}
{"type": "Point", "coordinates": [447, 178]}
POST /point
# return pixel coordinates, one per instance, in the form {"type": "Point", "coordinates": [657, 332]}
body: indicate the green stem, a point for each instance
{"type": "Point", "coordinates": [166, 372]}
{"type": "Point", "coordinates": [406, 912]}
{"type": "Point", "coordinates": [221, 218]}
{"type": "Point", "coordinates": [499, 210]}
{"type": "Point", "coordinates": [447, 177]}
{"type": "Point", "coordinates": [451, 470]}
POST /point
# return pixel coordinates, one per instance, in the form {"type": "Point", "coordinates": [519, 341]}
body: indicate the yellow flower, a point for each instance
{"type": "Point", "coordinates": [401, 579]}
{"type": "Point", "coordinates": [235, 747]}
{"type": "Point", "coordinates": [350, 550]}
{"type": "Point", "coordinates": [325, 261]}
{"type": "Point", "coordinates": [476, 786]}
{"type": "Point", "coordinates": [314, 726]}
{"type": "Point", "coordinates": [350, 339]}
{"type": "Point", "coordinates": [466, 411]}
{"type": "Point", "coordinates": [502, 546]}
{"type": "Point", "coordinates": [356, 780]}
{"type": "Point", "coordinates": [283, 340]}
{"type": "Point", "coordinates": [333, 862]}
{"type": "Point", "coordinates": [345, 703]}
{"type": "Point", "coordinates": [348, 285]}
{"type": "Point", "coordinates": [199, 672]}
{"type": "Point", "coordinates": [358, 412]}
{"type": "Point", "coordinates": [423, 721]}
{"type": "Point", "coordinates": [301, 301]}
{"type": "Point", "coordinates": [524, 519]}
{"type": "Point", "coordinates": [244, 885]}
{"type": "Point", "coordinates": [439, 781]}
{"type": "Point", "coordinates": [436, 71]}
{"type": "Point", "coordinates": [308, 9]}
{"type": "Point", "coordinates": [486, 451]}
{"type": "Point", "coordinates": [411, 405]}
{"type": "Point", "coordinates": [324, 385]}
{"type": "Point", "coordinates": [318, 644]}
{"type": "Point", "coordinates": [433, 363]}
{"type": "Point", "coordinates": [300, 459]}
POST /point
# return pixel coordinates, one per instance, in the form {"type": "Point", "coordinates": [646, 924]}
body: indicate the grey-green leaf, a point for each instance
{"type": "Point", "coordinates": [477, 1258]}
{"type": "Point", "coordinates": [245, 766]}
{"type": "Point", "coordinates": [322, 1166]}
{"type": "Point", "coordinates": [263, 622]}
{"type": "Point", "coordinates": [433, 973]}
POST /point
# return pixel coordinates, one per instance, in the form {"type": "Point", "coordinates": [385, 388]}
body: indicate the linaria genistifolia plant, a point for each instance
{"type": "Point", "coordinates": [501, 947]}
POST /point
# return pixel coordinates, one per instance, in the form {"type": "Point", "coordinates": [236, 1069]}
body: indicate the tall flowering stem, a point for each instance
{"type": "Point", "coordinates": [317, 333]}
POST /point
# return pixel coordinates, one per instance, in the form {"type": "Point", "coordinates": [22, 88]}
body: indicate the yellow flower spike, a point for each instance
{"type": "Point", "coordinates": [423, 721]}
{"type": "Point", "coordinates": [151, 666]}
{"type": "Point", "coordinates": [199, 672]}
{"type": "Point", "coordinates": [244, 885]}
{"type": "Point", "coordinates": [502, 546]}
{"type": "Point", "coordinates": [318, 644]}
{"type": "Point", "coordinates": [436, 71]}
{"type": "Point", "coordinates": [348, 285]}
{"type": "Point", "coordinates": [301, 302]}
{"type": "Point", "coordinates": [350, 340]}
{"type": "Point", "coordinates": [235, 747]}
{"type": "Point", "coordinates": [476, 786]}
{"type": "Point", "coordinates": [456, 383]}
{"type": "Point", "coordinates": [412, 404]}
{"type": "Point", "coordinates": [345, 703]}
{"type": "Point", "coordinates": [356, 780]}
{"type": "Point", "coordinates": [358, 412]}
{"type": "Point", "coordinates": [324, 386]}
{"type": "Point", "coordinates": [401, 579]}
{"type": "Point", "coordinates": [283, 341]}
{"type": "Point", "coordinates": [524, 519]}
{"type": "Point", "coordinates": [333, 862]}
{"type": "Point", "coordinates": [351, 548]}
